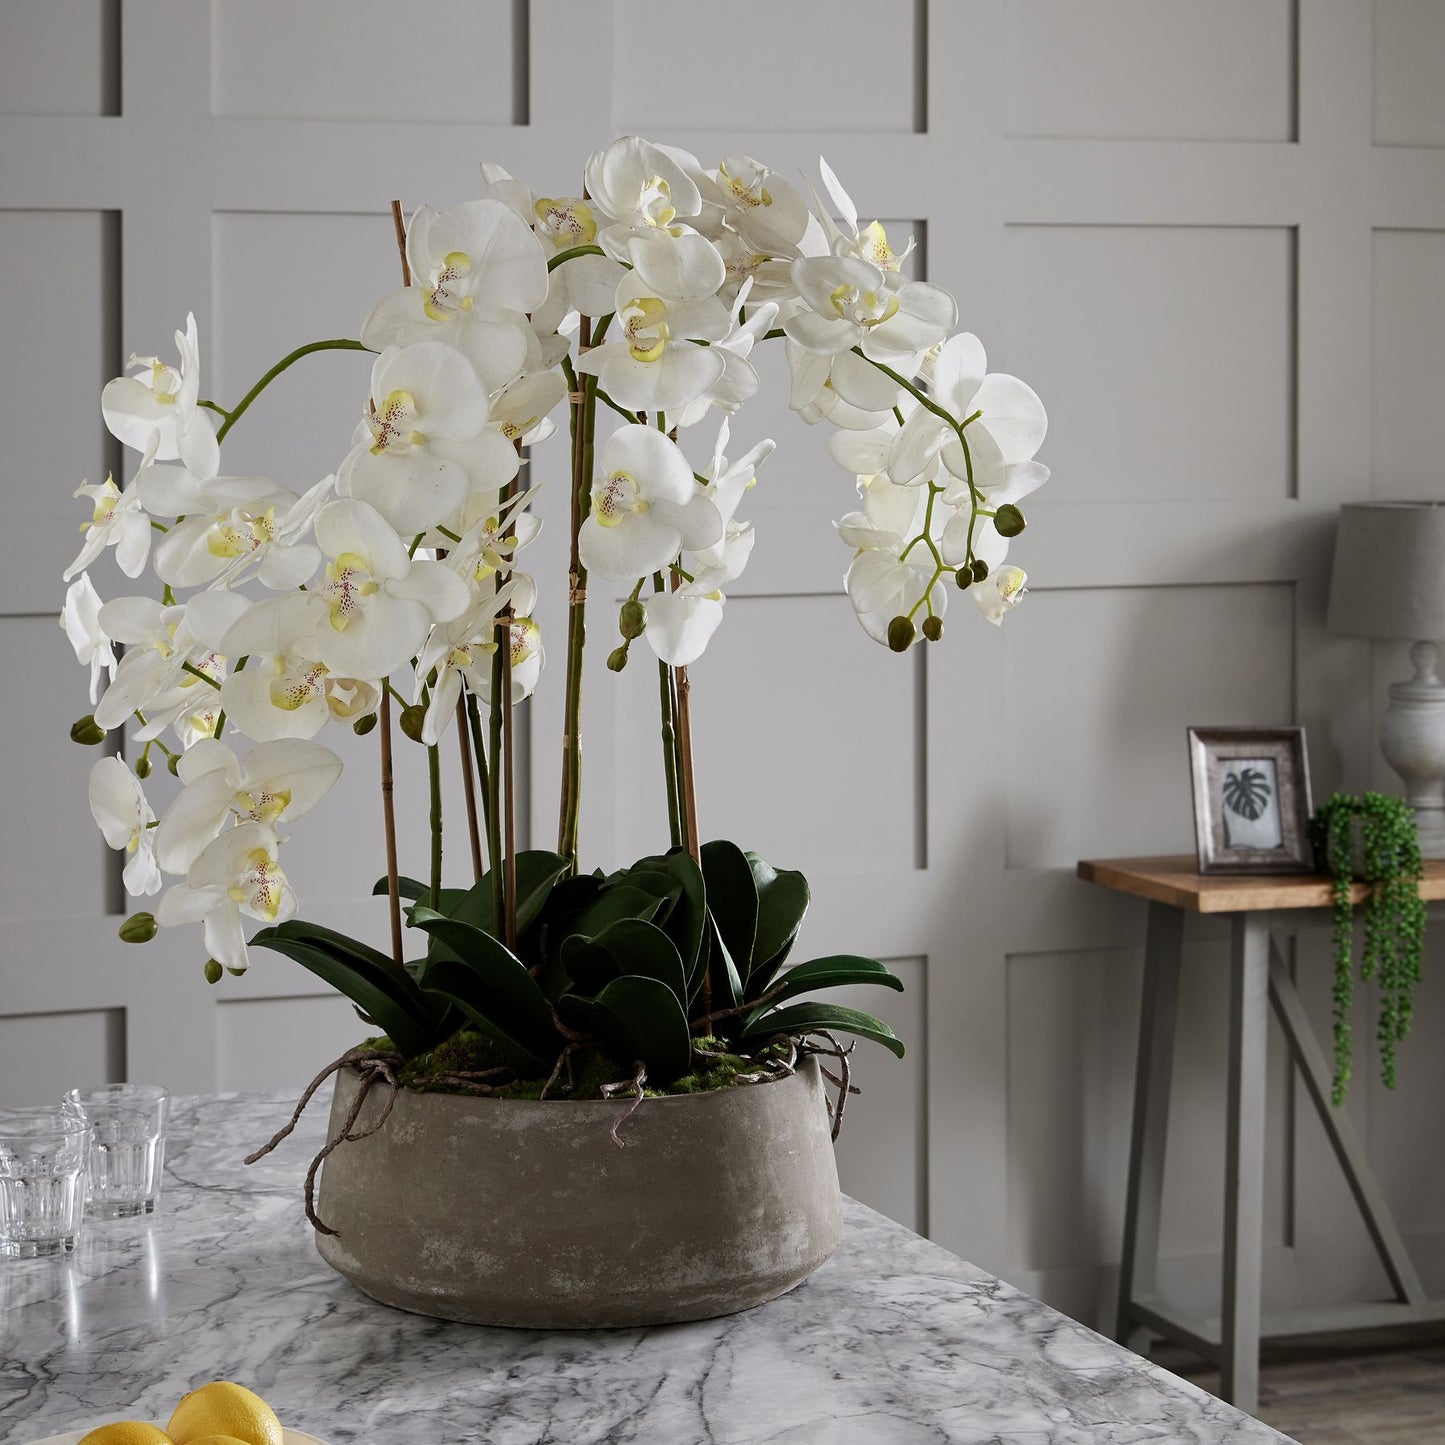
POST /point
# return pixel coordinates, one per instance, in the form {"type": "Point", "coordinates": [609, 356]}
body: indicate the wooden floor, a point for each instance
{"type": "Point", "coordinates": [1382, 1388]}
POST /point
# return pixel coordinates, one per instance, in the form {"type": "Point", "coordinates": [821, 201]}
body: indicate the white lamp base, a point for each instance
{"type": "Point", "coordinates": [1412, 738]}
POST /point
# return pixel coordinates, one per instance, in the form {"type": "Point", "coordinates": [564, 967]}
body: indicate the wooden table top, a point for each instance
{"type": "Point", "coordinates": [1177, 880]}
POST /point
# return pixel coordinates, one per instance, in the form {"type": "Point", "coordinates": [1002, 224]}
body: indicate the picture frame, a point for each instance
{"type": "Point", "coordinates": [1252, 801]}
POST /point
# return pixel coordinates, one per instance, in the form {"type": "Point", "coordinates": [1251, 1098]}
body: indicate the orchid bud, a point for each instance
{"type": "Point", "coordinates": [87, 731]}
{"type": "Point", "coordinates": [138, 928]}
{"type": "Point", "coordinates": [412, 720]}
{"type": "Point", "coordinates": [212, 971]}
{"type": "Point", "coordinates": [235, 972]}
{"type": "Point", "coordinates": [980, 569]}
{"type": "Point", "coordinates": [900, 634]}
{"type": "Point", "coordinates": [143, 766]}
{"type": "Point", "coordinates": [364, 725]}
{"type": "Point", "coordinates": [964, 577]}
{"type": "Point", "coordinates": [617, 659]}
{"type": "Point", "coordinates": [633, 619]}
{"type": "Point", "coordinates": [173, 765]}
{"type": "Point", "coordinates": [933, 628]}
{"type": "Point", "coordinates": [1008, 521]}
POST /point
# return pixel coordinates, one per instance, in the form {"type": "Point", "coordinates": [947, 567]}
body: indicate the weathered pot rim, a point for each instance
{"type": "Point", "coordinates": [603, 1108]}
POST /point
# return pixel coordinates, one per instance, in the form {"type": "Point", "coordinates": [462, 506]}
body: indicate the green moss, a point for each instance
{"type": "Point", "coordinates": [469, 1052]}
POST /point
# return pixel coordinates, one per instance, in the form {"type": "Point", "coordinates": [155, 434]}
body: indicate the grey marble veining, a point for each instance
{"type": "Point", "coordinates": [894, 1342]}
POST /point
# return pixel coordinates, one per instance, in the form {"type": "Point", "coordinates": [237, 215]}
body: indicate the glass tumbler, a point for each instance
{"type": "Point", "coordinates": [127, 1147]}
{"type": "Point", "coordinates": [43, 1159]}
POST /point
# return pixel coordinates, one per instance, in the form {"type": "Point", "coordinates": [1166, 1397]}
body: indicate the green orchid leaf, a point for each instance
{"type": "Point", "coordinates": [412, 1025]}
{"type": "Point", "coordinates": [495, 983]}
{"type": "Point", "coordinates": [537, 874]}
{"type": "Point", "coordinates": [407, 888]}
{"type": "Point", "coordinates": [727, 983]}
{"type": "Point", "coordinates": [613, 906]}
{"type": "Point", "coordinates": [808, 1018]}
{"type": "Point", "coordinates": [732, 899]}
{"type": "Point", "coordinates": [834, 971]}
{"type": "Point", "coordinates": [640, 1018]}
{"type": "Point", "coordinates": [521, 1048]}
{"type": "Point", "coordinates": [341, 945]}
{"type": "Point", "coordinates": [783, 898]}
{"type": "Point", "coordinates": [686, 921]}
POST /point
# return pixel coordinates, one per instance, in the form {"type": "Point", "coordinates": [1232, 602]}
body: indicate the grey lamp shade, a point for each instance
{"type": "Point", "coordinates": [1389, 574]}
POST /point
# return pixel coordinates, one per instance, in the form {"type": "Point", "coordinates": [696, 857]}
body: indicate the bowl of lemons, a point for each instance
{"type": "Point", "coordinates": [220, 1413]}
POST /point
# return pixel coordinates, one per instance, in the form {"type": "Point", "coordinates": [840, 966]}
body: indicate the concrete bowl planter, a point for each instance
{"type": "Point", "coordinates": [524, 1213]}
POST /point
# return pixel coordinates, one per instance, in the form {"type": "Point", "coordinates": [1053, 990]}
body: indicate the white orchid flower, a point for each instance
{"type": "Point", "coordinates": [868, 244]}
{"type": "Point", "coordinates": [232, 528]}
{"type": "Point", "coordinates": [462, 649]}
{"type": "Point", "coordinates": [81, 622]}
{"type": "Point", "coordinates": [275, 783]}
{"type": "Point", "coordinates": [160, 403]}
{"type": "Point", "coordinates": [118, 805]}
{"type": "Point", "coordinates": [680, 623]}
{"type": "Point", "coordinates": [639, 186]}
{"type": "Point", "coordinates": [646, 507]}
{"type": "Point", "coordinates": [423, 439]}
{"type": "Point", "coordinates": [284, 691]}
{"type": "Point", "coordinates": [160, 642]}
{"type": "Point", "coordinates": [738, 381]}
{"type": "Point", "coordinates": [653, 365]}
{"type": "Point", "coordinates": [843, 389]}
{"type": "Point", "coordinates": [1009, 430]}
{"type": "Point", "coordinates": [522, 410]}
{"type": "Point", "coordinates": [493, 533]}
{"type": "Point", "coordinates": [376, 605]}
{"type": "Point", "coordinates": [477, 270]}
{"type": "Point", "coordinates": [118, 519]}
{"type": "Point", "coordinates": [999, 591]}
{"type": "Point", "coordinates": [236, 875]}
{"type": "Point", "coordinates": [849, 304]}
{"type": "Point", "coordinates": [762, 206]}
{"type": "Point", "coordinates": [881, 582]}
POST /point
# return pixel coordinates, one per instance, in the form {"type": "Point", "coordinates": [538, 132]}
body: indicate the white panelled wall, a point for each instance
{"type": "Point", "coordinates": [1212, 234]}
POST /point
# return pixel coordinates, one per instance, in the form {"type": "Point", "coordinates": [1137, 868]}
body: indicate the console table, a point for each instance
{"type": "Point", "coordinates": [893, 1342]}
{"type": "Point", "coordinates": [1257, 906]}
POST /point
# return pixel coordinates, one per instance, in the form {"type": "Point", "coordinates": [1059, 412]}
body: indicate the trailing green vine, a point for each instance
{"type": "Point", "coordinates": [1371, 838]}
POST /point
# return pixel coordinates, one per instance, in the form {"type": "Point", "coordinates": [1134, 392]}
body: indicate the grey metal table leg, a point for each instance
{"type": "Point", "coordinates": [1244, 1161]}
{"type": "Point", "coordinates": [1153, 1071]}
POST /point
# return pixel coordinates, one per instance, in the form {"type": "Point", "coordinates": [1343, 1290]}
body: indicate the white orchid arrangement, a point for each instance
{"type": "Point", "coordinates": [399, 579]}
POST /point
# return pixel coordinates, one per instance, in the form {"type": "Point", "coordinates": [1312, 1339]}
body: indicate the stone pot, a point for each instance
{"type": "Point", "coordinates": [526, 1213]}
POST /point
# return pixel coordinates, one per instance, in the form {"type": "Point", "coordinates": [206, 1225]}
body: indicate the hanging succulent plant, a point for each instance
{"type": "Point", "coordinates": [1371, 838]}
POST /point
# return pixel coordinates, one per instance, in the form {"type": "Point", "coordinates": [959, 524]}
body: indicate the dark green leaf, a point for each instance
{"type": "Point", "coordinates": [686, 923]}
{"type": "Point", "coordinates": [782, 901]}
{"type": "Point", "coordinates": [615, 904]}
{"type": "Point", "coordinates": [515, 1046]}
{"type": "Point", "coordinates": [832, 972]}
{"type": "Point", "coordinates": [642, 1019]}
{"type": "Point", "coordinates": [407, 888]}
{"type": "Point", "coordinates": [732, 898]}
{"type": "Point", "coordinates": [494, 982]}
{"type": "Point", "coordinates": [343, 946]}
{"type": "Point", "coordinates": [806, 1018]}
{"type": "Point", "coordinates": [412, 1030]}
{"type": "Point", "coordinates": [727, 984]}
{"type": "Point", "coordinates": [537, 873]}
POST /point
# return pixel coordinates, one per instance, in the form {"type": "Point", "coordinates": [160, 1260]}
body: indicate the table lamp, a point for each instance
{"type": "Point", "coordinates": [1389, 583]}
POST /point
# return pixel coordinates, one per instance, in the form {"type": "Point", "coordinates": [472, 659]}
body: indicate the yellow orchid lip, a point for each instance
{"type": "Point", "coordinates": [389, 422]}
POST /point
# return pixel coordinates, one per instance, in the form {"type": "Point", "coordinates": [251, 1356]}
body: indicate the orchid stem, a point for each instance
{"type": "Point", "coordinates": [434, 784]}
{"type": "Point", "coordinates": [239, 410]}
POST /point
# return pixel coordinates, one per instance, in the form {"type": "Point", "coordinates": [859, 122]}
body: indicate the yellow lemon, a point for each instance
{"type": "Point", "coordinates": [227, 1410]}
{"type": "Point", "coordinates": [127, 1432]}
{"type": "Point", "coordinates": [217, 1440]}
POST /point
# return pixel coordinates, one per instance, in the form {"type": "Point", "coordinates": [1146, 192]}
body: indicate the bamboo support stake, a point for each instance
{"type": "Point", "coordinates": [469, 784]}
{"type": "Point", "coordinates": [388, 781]}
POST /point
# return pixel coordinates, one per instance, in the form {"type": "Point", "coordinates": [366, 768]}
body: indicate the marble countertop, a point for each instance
{"type": "Point", "coordinates": [893, 1342]}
